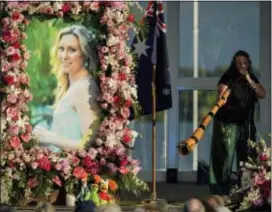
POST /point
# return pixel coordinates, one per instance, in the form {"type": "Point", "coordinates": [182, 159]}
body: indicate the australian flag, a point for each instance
{"type": "Point", "coordinates": [153, 51]}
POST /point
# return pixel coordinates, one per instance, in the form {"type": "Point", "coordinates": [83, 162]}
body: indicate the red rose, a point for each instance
{"type": "Point", "coordinates": [44, 163]}
{"type": "Point", "coordinates": [263, 157]}
{"type": "Point", "coordinates": [131, 18]}
{"type": "Point", "coordinates": [123, 162]}
{"type": "Point", "coordinates": [66, 8]}
{"type": "Point", "coordinates": [32, 183]}
{"type": "Point", "coordinates": [128, 103]}
{"type": "Point", "coordinates": [15, 16]}
{"type": "Point", "coordinates": [79, 173]}
{"type": "Point", "coordinates": [9, 79]}
{"type": "Point", "coordinates": [122, 76]}
{"type": "Point", "coordinates": [87, 161]}
{"type": "Point", "coordinates": [116, 99]}
{"type": "Point", "coordinates": [126, 138]}
{"type": "Point", "coordinates": [6, 36]}
{"type": "Point", "coordinates": [16, 45]}
{"type": "Point", "coordinates": [15, 57]}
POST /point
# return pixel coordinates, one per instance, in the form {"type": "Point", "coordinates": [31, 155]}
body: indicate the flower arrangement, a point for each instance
{"type": "Point", "coordinates": [35, 172]}
{"type": "Point", "coordinates": [255, 187]}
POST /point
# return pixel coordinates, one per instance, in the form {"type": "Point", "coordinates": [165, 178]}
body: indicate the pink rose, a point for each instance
{"type": "Point", "coordinates": [103, 19]}
{"type": "Point", "coordinates": [28, 128]}
{"type": "Point", "coordinates": [57, 181]}
{"type": "Point", "coordinates": [120, 150]}
{"type": "Point", "coordinates": [49, 10]}
{"type": "Point", "coordinates": [60, 14]}
{"type": "Point", "coordinates": [32, 183]}
{"type": "Point", "coordinates": [103, 161]}
{"type": "Point", "coordinates": [15, 142]}
{"type": "Point", "coordinates": [86, 4]}
{"type": "Point", "coordinates": [13, 113]}
{"type": "Point", "coordinates": [26, 21]}
{"type": "Point", "coordinates": [23, 65]}
{"type": "Point", "coordinates": [104, 67]}
{"type": "Point", "coordinates": [5, 67]}
{"type": "Point", "coordinates": [5, 21]}
{"type": "Point", "coordinates": [104, 49]}
{"type": "Point", "coordinates": [12, 98]}
{"type": "Point", "coordinates": [27, 55]}
{"type": "Point", "coordinates": [120, 55]}
{"type": "Point", "coordinates": [24, 79]}
{"type": "Point", "coordinates": [75, 161]}
{"type": "Point", "coordinates": [113, 49]}
{"type": "Point", "coordinates": [58, 166]}
{"type": "Point", "coordinates": [125, 112]}
{"type": "Point", "coordinates": [23, 35]}
{"type": "Point", "coordinates": [104, 105]}
{"type": "Point", "coordinates": [26, 137]}
{"type": "Point", "coordinates": [110, 23]}
{"type": "Point", "coordinates": [45, 163]}
{"type": "Point", "coordinates": [13, 129]}
{"type": "Point", "coordinates": [10, 51]}
{"type": "Point", "coordinates": [34, 165]}
{"type": "Point", "coordinates": [27, 94]}
{"type": "Point", "coordinates": [94, 6]}
{"type": "Point", "coordinates": [123, 170]}
{"type": "Point", "coordinates": [23, 47]}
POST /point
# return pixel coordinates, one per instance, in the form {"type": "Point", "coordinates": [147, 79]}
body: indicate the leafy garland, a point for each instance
{"type": "Point", "coordinates": [35, 171]}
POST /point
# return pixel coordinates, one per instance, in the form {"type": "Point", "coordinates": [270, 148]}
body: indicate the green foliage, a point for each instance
{"type": "Point", "coordinates": [132, 184]}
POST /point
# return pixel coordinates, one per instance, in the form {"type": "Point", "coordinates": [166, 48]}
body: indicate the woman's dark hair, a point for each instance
{"type": "Point", "coordinates": [232, 68]}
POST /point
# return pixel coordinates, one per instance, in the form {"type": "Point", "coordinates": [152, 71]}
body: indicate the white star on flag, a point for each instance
{"type": "Point", "coordinates": [140, 48]}
{"type": "Point", "coordinates": [166, 91]}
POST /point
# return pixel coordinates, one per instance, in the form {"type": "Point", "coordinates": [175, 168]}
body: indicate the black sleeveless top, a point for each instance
{"type": "Point", "coordinates": [241, 101]}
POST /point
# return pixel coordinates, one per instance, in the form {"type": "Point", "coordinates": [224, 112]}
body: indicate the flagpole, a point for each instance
{"type": "Point", "coordinates": [154, 195]}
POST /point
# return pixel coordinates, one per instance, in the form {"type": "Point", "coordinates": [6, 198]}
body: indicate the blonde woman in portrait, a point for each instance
{"type": "Point", "coordinates": [76, 109]}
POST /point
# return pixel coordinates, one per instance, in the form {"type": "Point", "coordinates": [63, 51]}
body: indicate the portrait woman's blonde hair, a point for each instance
{"type": "Point", "coordinates": [88, 48]}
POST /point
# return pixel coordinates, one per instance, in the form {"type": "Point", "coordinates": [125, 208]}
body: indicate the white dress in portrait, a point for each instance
{"type": "Point", "coordinates": [75, 113]}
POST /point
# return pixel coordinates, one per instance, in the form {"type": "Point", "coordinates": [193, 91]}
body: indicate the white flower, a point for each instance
{"type": "Point", "coordinates": [111, 140]}
{"type": "Point", "coordinates": [119, 17]}
{"type": "Point", "coordinates": [3, 123]}
{"type": "Point", "coordinates": [112, 40]}
{"type": "Point", "coordinates": [112, 60]}
{"type": "Point", "coordinates": [57, 6]}
{"type": "Point", "coordinates": [76, 8]}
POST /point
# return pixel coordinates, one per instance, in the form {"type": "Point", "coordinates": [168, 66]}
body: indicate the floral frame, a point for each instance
{"type": "Point", "coordinates": [37, 172]}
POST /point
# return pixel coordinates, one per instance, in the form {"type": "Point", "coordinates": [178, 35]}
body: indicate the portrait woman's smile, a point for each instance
{"type": "Point", "coordinates": [70, 54]}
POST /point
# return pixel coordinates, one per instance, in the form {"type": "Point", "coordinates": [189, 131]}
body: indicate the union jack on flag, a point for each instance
{"type": "Point", "coordinates": [153, 51]}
